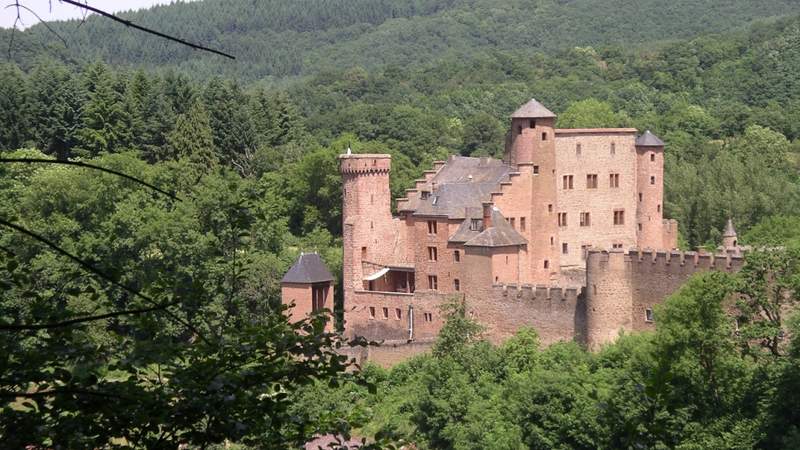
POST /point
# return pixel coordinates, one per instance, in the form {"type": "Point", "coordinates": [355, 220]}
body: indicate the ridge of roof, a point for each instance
{"type": "Point", "coordinates": [309, 268]}
{"type": "Point", "coordinates": [648, 139]}
{"type": "Point", "coordinates": [532, 110]}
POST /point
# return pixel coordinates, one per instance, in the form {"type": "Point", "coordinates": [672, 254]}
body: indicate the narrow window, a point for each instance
{"type": "Point", "coordinates": [532, 123]}
{"type": "Point", "coordinates": [424, 195]}
{"type": "Point", "coordinates": [496, 279]}
{"type": "Point", "coordinates": [522, 224]}
{"type": "Point", "coordinates": [371, 198]}
{"type": "Point", "coordinates": [544, 136]}
{"type": "Point", "coordinates": [506, 259]}
{"type": "Point", "coordinates": [385, 313]}
{"type": "Point", "coordinates": [552, 241]}
{"type": "Point", "coordinates": [431, 227]}
{"type": "Point", "coordinates": [546, 264]}
{"type": "Point", "coordinates": [398, 313]}
{"type": "Point", "coordinates": [648, 315]}
{"type": "Point", "coordinates": [536, 170]}
{"type": "Point", "coordinates": [586, 219]}
{"type": "Point", "coordinates": [363, 252]}
{"type": "Point", "coordinates": [475, 225]}
{"type": "Point", "coordinates": [513, 222]}
{"type": "Point", "coordinates": [432, 254]}
{"type": "Point", "coordinates": [652, 157]}
{"type": "Point", "coordinates": [456, 285]}
{"type": "Point", "coordinates": [371, 312]}
{"type": "Point", "coordinates": [457, 256]}
{"type": "Point", "coordinates": [640, 227]}
{"type": "Point", "coordinates": [562, 219]}
{"type": "Point", "coordinates": [550, 208]}
{"type": "Point", "coordinates": [371, 225]}
{"type": "Point", "coordinates": [658, 208]}
{"type": "Point", "coordinates": [564, 248]}
{"type": "Point", "coordinates": [591, 181]}
{"type": "Point", "coordinates": [613, 148]}
{"type": "Point", "coordinates": [652, 180]}
{"type": "Point", "coordinates": [433, 282]}
{"type": "Point", "coordinates": [613, 180]}
{"type": "Point", "coordinates": [577, 149]}
{"type": "Point", "coordinates": [640, 196]}
{"type": "Point", "coordinates": [619, 217]}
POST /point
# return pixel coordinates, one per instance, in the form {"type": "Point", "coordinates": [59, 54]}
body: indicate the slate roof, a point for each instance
{"type": "Point", "coordinates": [649, 139]}
{"type": "Point", "coordinates": [309, 268]}
{"type": "Point", "coordinates": [500, 234]}
{"type": "Point", "coordinates": [729, 230]}
{"type": "Point", "coordinates": [532, 110]}
{"type": "Point", "coordinates": [463, 182]}
{"type": "Point", "coordinates": [463, 233]}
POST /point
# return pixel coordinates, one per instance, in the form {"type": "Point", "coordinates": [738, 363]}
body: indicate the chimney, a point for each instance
{"type": "Point", "coordinates": [487, 215]}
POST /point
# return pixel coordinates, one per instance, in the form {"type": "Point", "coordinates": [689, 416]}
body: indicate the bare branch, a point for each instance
{"type": "Point", "coordinates": [50, 393]}
{"type": "Point", "coordinates": [88, 267]}
{"type": "Point", "coordinates": [90, 166]}
{"type": "Point", "coordinates": [67, 323]}
{"type": "Point", "coordinates": [128, 23]}
{"type": "Point", "coordinates": [50, 29]}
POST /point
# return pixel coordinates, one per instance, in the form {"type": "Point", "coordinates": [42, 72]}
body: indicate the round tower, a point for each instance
{"type": "Point", "coordinates": [730, 240]}
{"type": "Point", "coordinates": [650, 191]}
{"type": "Point", "coordinates": [609, 296]}
{"type": "Point", "coordinates": [532, 142]}
{"type": "Point", "coordinates": [366, 214]}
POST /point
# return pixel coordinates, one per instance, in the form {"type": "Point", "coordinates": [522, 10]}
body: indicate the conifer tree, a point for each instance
{"type": "Point", "coordinates": [192, 138]}
{"type": "Point", "coordinates": [104, 117]}
{"type": "Point", "coordinates": [14, 120]}
{"type": "Point", "coordinates": [55, 108]}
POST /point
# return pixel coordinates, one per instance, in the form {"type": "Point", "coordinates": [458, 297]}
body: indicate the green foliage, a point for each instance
{"type": "Point", "coordinates": [591, 113]}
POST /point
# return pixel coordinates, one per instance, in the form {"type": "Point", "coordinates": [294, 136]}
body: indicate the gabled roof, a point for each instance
{"type": "Point", "coordinates": [649, 139]}
{"type": "Point", "coordinates": [532, 110]}
{"type": "Point", "coordinates": [500, 234]}
{"type": "Point", "coordinates": [309, 268]}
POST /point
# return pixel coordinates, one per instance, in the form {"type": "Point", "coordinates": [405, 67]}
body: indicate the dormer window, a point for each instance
{"type": "Point", "coordinates": [475, 225]}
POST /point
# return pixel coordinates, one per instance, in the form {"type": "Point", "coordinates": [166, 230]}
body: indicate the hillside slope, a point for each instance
{"type": "Point", "coordinates": [280, 38]}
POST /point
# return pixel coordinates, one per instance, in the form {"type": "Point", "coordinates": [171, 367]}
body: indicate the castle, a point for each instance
{"type": "Point", "coordinates": [538, 239]}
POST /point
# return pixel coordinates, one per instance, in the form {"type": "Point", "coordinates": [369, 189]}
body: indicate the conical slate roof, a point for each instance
{"type": "Point", "coordinates": [649, 139]}
{"type": "Point", "coordinates": [309, 268]}
{"type": "Point", "coordinates": [729, 230]}
{"type": "Point", "coordinates": [532, 110]}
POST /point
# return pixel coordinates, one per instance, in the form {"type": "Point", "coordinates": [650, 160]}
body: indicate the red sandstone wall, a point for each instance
{"type": "Point", "coordinates": [301, 295]}
{"type": "Point", "coordinates": [359, 321]}
{"type": "Point", "coordinates": [650, 217]}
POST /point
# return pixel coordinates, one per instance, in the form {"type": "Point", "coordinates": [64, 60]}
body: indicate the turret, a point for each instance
{"type": "Point", "coordinates": [532, 142]}
{"type": "Point", "coordinates": [309, 286]}
{"type": "Point", "coordinates": [730, 241]}
{"type": "Point", "coordinates": [650, 191]}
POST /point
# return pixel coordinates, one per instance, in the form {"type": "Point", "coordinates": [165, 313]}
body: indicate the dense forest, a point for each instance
{"type": "Point", "coordinates": [239, 161]}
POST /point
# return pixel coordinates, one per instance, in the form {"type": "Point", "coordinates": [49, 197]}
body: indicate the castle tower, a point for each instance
{"type": "Point", "coordinates": [309, 285]}
{"type": "Point", "coordinates": [531, 142]}
{"type": "Point", "coordinates": [609, 293]}
{"type": "Point", "coordinates": [366, 215]}
{"type": "Point", "coordinates": [650, 191]}
{"type": "Point", "coordinates": [730, 240]}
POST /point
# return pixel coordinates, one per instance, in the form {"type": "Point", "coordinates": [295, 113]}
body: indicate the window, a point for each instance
{"type": "Point", "coordinates": [640, 196]}
{"type": "Point", "coordinates": [363, 252]}
{"type": "Point", "coordinates": [432, 254]}
{"type": "Point", "coordinates": [613, 148]}
{"type": "Point", "coordinates": [519, 129]}
{"type": "Point", "coordinates": [652, 157]}
{"type": "Point", "coordinates": [532, 123]}
{"type": "Point", "coordinates": [619, 217]}
{"type": "Point", "coordinates": [433, 282]}
{"type": "Point", "coordinates": [536, 170]}
{"type": "Point", "coordinates": [550, 208]}
{"type": "Point", "coordinates": [544, 136]}
{"type": "Point", "coordinates": [591, 181]}
{"type": "Point", "coordinates": [457, 256]}
{"type": "Point", "coordinates": [475, 225]}
{"type": "Point", "coordinates": [398, 313]}
{"type": "Point", "coordinates": [522, 223]}
{"type": "Point", "coordinates": [385, 313]}
{"type": "Point", "coordinates": [585, 251]}
{"type": "Point", "coordinates": [512, 221]}
{"type": "Point", "coordinates": [371, 198]}
{"type": "Point", "coordinates": [613, 180]}
{"type": "Point", "coordinates": [456, 285]}
{"type": "Point", "coordinates": [506, 259]}
{"type": "Point", "coordinates": [371, 312]}
{"type": "Point", "coordinates": [658, 208]}
{"type": "Point", "coordinates": [552, 241]}
{"type": "Point", "coordinates": [567, 181]}
{"type": "Point", "coordinates": [424, 195]}
{"type": "Point", "coordinates": [564, 248]}
{"type": "Point", "coordinates": [562, 219]}
{"type": "Point", "coordinates": [577, 149]}
{"type": "Point", "coordinates": [428, 317]}
{"type": "Point", "coordinates": [652, 180]}
{"type": "Point", "coordinates": [546, 264]}
{"type": "Point", "coordinates": [616, 246]}
{"type": "Point", "coordinates": [431, 227]}
{"type": "Point", "coordinates": [648, 315]}
{"type": "Point", "coordinates": [586, 219]}
{"type": "Point", "coordinates": [640, 227]}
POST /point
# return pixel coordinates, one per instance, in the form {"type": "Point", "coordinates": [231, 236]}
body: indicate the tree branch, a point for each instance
{"type": "Point", "coordinates": [128, 23]}
{"type": "Point", "coordinates": [66, 323]}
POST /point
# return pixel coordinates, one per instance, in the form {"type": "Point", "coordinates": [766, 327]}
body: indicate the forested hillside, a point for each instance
{"type": "Point", "coordinates": [279, 38]}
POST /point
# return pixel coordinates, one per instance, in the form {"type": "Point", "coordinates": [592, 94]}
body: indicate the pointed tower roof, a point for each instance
{"type": "Point", "coordinates": [532, 110]}
{"type": "Point", "coordinates": [649, 139]}
{"type": "Point", "coordinates": [729, 230]}
{"type": "Point", "coordinates": [309, 268]}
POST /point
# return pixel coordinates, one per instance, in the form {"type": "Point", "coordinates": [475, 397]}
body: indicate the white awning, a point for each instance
{"type": "Point", "coordinates": [377, 274]}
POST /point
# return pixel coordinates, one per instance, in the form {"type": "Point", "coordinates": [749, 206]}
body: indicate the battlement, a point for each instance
{"type": "Point", "coordinates": [365, 163]}
{"type": "Point", "coordinates": [644, 258]}
{"type": "Point", "coordinates": [529, 292]}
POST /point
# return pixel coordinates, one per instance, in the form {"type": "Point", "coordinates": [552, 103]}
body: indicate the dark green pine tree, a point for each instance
{"type": "Point", "coordinates": [193, 139]}
{"type": "Point", "coordinates": [234, 134]}
{"type": "Point", "coordinates": [104, 117]}
{"type": "Point", "coordinates": [55, 104]}
{"type": "Point", "coordinates": [14, 108]}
